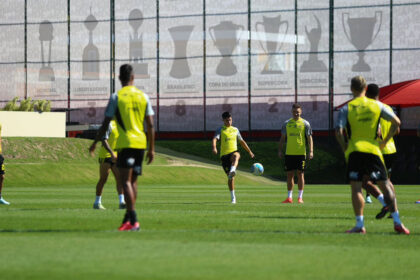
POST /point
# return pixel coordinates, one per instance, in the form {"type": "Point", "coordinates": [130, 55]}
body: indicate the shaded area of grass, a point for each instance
{"type": "Point", "coordinates": [327, 166]}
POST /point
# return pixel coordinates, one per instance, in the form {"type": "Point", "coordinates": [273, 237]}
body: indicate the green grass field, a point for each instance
{"type": "Point", "coordinates": [189, 228]}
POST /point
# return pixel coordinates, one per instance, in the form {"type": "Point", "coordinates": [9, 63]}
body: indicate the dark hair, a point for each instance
{"type": "Point", "coordinates": [296, 106]}
{"type": "Point", "coordinates": [358, 84]}
{"type": "Point", "coordinates": [226, 115]}
{"type": "Point", "coordinates": [126, 71]}
{"type": "Point", "coordinates": [372, 91]}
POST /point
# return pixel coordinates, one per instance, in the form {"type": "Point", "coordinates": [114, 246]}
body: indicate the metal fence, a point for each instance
{"type": "Point", "coordinates": [198, 58]}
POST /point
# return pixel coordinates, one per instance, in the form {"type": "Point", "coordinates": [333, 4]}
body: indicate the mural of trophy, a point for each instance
{"type": "Point", "coordinates": [271, 26]}
{"type": "Point", "coordinates": [135, 19]}
{"type": "Point", "coordinates": [225, 38]}
{"type": "Point", "coordinates": [90, 52]}
{"type": "Point", "coordinates": [313, 64]}
{"type": "Point", "coordinates": [180, 35]}
{"type": "Point", "coordinates": [46, 73]}
{"type": "Point", "coordinates": [362, 34]}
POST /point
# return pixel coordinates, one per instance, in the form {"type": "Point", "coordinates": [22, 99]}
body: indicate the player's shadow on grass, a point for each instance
{"type": "Point", "coordinates": [53, 230]}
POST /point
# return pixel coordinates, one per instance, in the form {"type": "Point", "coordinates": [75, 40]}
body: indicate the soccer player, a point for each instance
{"type": "Point", "coordinates": [297, 133]}
{"type": "Point", "coordinates": [107, 163]}
{"type": "Point", "coordinates": [363, 151]}
{"type": "Point", "coordinates": [229, 154]}
{"type": "Point", "coordinates": [2, 170]}
{"type": "Point", "coordinates": [130, 107]}
{"type": "Point", "coordinates": [388, 152]}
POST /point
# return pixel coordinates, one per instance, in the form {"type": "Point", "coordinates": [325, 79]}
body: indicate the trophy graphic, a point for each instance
{"type": "Point", "coordinates": [46, 73]}
{"type": "Point", "coordinates": [313, 64]}
{"type": "Point", "coordinates": [180, 35]}
{"type": "Point", "coordinates": [135, 20]}
{"type": "Point", "coordinates": [362, 34]}
{"type": "Point", "coordinates": [225, 38]}
{"type": "Point", "coordinates": [90, 52]}
{"type": "Point", "coordinates": [271, 27]}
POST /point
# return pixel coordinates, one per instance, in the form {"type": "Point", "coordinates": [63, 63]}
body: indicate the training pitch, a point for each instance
{"type": "Point", "coordinates": [189, 228]}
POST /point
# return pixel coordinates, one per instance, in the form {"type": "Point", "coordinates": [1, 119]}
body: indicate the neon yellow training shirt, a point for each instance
{"type": "Point", "coordinates": [228, 137]}
{"type": "Point", "coordinates": [385, 127]}
{"type": "Point", "coordinates": [111, 136]}
{"type": "Point", "coordinates": [296, 132]}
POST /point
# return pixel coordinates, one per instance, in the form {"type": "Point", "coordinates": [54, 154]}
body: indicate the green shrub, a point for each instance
{"type": "Point", "coordinates": [28, 105]}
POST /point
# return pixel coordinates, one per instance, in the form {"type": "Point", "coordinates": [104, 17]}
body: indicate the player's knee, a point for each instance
{"type": "Point", "coordinates": [1, 177]}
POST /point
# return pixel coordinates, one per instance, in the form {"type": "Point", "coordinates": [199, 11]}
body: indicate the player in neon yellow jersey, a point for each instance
{"type": "Point", "coordinates": [360, 118]}
{"type": "Point", "coordinates": [229, 154]}
{"type": "Point", "coordinates": [2, 171]}
{"type": "Point", "coordinates": [130, 107]}
{"type": "Point", "coordinates": [296, 132]}
{"type": "Point", "coordinates": [388, 152]}
{"type": "Point", "coordinates": [107, 162]}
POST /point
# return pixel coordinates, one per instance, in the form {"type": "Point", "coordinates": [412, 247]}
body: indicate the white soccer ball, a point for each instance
{"type": "Point", "coordinates": [257, 169]}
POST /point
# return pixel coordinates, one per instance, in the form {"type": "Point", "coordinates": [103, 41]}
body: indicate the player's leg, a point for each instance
{"type": "Point", "coordinates": [290, 184]}
{"type": "Point", "coordinates": [301, 184]}
{"type": "Point", "coordinates": [104, 169]}
{"type": "Point", "coordinates": [231, 184]}
{"type": "Point", "coordinates": [2, 171]}
{"type": "Point", "coordinates": [120, 189]}
{"type": "Point", "coordinates": [234, 159]}
{"type": "Point", "coordinates": [391, 200]}
{"type": "Point", "coordinates": [358, 205]}
{"type": "Point", "coordinates": [129, 194]}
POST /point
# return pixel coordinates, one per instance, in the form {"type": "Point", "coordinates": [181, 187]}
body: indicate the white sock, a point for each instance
{"type": "Point", "coordinates": [359, 222]}
{"type": "Point", "coordinates": [98, 199]}
{"type": "Point", "coordinates": [300, 194]}
{"type": "Point", "coordinates": [381, 200]}
{"type": "Point", "coordinates": [232, 194]}
{"type": "Point", "coordinates": [396, 217]}
{"type": "Point", "coordinates": [289, 194]}
{"type": "Point", "coordinates": [121, 198]}
{"type": "Point", "coordinates": [232, 168]}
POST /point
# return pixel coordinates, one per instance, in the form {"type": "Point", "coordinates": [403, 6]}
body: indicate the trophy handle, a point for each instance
{"type": "Point", "coordinates": [344, 18]}
{"type": "Point", "coordinates": [211, 34]}
{"type": "Point", "coordinates": [380, 23]}
{"type": "Point", "coordinates": [285, 33]}
{"type": "Point", "coordinates": [259, 38]}
{"type": "Point", "coordinates": [239, 38]}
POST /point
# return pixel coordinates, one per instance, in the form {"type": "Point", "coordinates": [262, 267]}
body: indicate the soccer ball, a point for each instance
{"type": "Point", "coordinates": [257, 169]}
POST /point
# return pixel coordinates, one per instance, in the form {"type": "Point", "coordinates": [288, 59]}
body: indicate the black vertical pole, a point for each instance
{"type": "Point", "coordinates": [112, 48]}
{"type": "Point", "coordinates": [249, 68]}
{"type": "Point", "coordinates": [390, 40]}
{"type": "Point", "coordinates": [68, 61]}
{"type": "Point", "coordinates": [296, 50]}
{"type": "Point", "coordinates": [331, 71]}
{"type": "Point", "coordinates": [204, 70]}
{"type": "Point", "coordinates": [157, 66]}
{"type": "Point", "coordinates": [26, 51]}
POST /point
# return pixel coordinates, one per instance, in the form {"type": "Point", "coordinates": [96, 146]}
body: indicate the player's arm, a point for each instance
{"type": "Point", "coordinates": [395, 125]}
{"type": "Point", "coordinates": [214, 142]}
{"type": "Point", "coordinates": [281, 144]}
{"type": "Point", "coordinates": [246, 148]}
{"type": "Point", "coordinates": [311, 146]}
{"type": "Point", "coordinates": [340, 126]}
{"type": "Point", "coordinates": [100, 135]}
{"type": "Point", "coordinates": [150, 139]}
{"type": "Point", "coordinates": [108, 148]}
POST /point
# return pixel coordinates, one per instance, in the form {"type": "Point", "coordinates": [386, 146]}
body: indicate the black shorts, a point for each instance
{"type": "Point", "coordinates": [131, 158]}
{"type": "Point", "coordinates": [389, 161]}
{"type": "Point", "coordinates": [294, 162]}
{"type": "Point", "coordinates": [226, 162]}
{"type": "Point", "coordinates": [365, 164]}
{"type": "Point", "coordinates": [106, 160]}
{"type": "Point", "coordinates": [2, 168]}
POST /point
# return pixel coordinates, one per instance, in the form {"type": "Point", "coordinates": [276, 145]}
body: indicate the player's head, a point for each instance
{"type": "Point", "coordinates": [372, 91]}
{"type": "Point", "coordinates": [227, 118]}
{"type": "Point", "coordinates": [358, 85]}
{"type": "Point", "coordinates": [126, 74]}
{"type": "Point", "coordinates": [296, 111]}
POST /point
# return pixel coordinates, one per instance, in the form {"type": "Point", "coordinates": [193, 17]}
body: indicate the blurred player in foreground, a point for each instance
{"type": "Point", "coordinates": [107, 162]}
{"type": "Point", "coordinates": [229, 154]}
{"type": "Point", "coordinates": [296, 132]}
{"type": "Point", "coordinates": [363, 152]}
{"type": "Point", "coordinates": [130, 107]}
{"type": "Point", "coordinates": [2, 170]}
